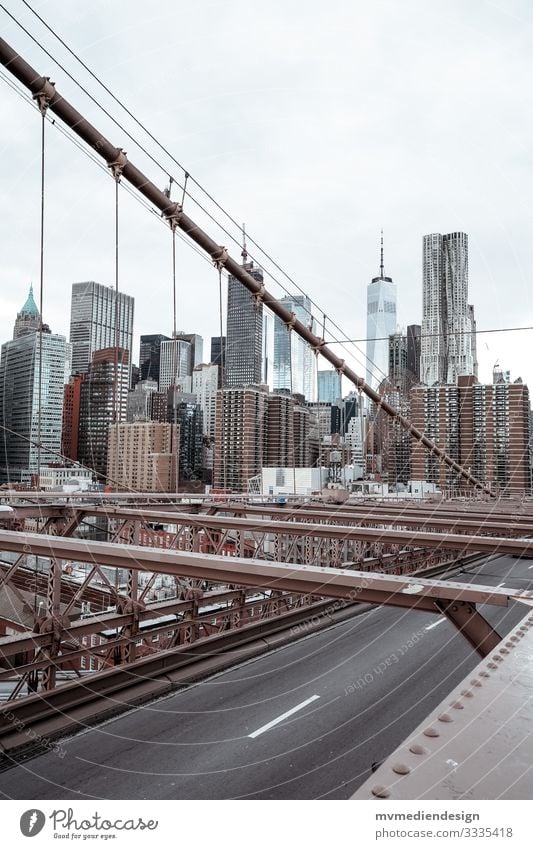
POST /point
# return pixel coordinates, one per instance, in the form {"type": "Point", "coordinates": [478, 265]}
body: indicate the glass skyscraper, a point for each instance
{"type": "Point", "coordinates": [291, 350]}
{"type": "Point", "coordinates": [92, 322]}
{"type": "Point", "coordinates": [380, 324]}
{"type": "Point", "coordinates": [26, 414]}
{"type": "Point", "coordinates": [244, 334]}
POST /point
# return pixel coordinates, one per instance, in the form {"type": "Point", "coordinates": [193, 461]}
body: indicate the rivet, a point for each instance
{"type": "Point", "coordinates": [497, 657]}
{"type": "Point", "coordinates": [417, 749]}
{"type": "Point", "coordinates": [431, 732]}
{"type": "Point", "coordinates": [380, 791]}
{"type": "Point", "coordinates": [484, 674]}
{"type": "Point", "coordinates": [492, 665]}
{"type": "Point", "coordinates": [458, 705]}
{"type": "Point", "coordinates": [504, 651]}
{"type": "Point", "coordinates": [445, 717]}
{"type": "Point", "coordinates": [401, 769]}
{"type": "Point", "coordinates": [467, 693]}
{"type": "Point", "coordinates": [475, 682]}
{"type": "Point", "coordinates": [514, 638]}
{"type": "Point", "coordinates": [510, 645]}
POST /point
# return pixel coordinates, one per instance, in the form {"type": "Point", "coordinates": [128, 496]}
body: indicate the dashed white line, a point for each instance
{"type": "Point", "coordinates": [283, 716]}
{"type": "Point", "coordinates": [434, 624]}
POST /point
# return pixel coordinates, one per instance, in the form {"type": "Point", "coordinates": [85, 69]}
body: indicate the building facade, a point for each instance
{"type": "Point", "coordinates": [244, 333]}
{"type": "Point", "coordinates": [380, 324]}
{"type": "Point", "coordinates": [204, 388]}
{"type": "Point", "coordinates": [294, 360]}
{"type": "Point", "coordinates": [239, 437]}
{"type": "Point", "coordinates": [448, 341]}
{"type": "Point", "coordinates": [485, 428]}
{"type": "Point", "coordinates": [143, 456]}
{"type": "Point", "coordinates": [103, 402]}
{"type": "Point", "coordinates": [93, 322]}
{"type": "Point", "coordinates": [176, 364]}
{"type": "Point", "coordinates": [329, 386]}
{"type": "Point", "coordinates": [30, 414]}
{"type": "Point", "coordinates": [150, 356]}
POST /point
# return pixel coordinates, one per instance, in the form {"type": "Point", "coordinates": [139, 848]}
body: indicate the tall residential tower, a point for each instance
{"type": "Point", "coordinates": [448, 347]}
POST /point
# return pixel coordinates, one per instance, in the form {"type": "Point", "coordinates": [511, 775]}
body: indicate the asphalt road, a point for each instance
{"type": "Point", "coordinates": [306, 721]}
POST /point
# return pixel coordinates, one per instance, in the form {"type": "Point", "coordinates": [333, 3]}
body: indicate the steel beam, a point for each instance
{"type": "Point", "coordinates": [426, 539]}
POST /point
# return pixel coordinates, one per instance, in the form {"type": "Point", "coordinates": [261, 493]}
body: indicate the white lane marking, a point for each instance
{"type": "Point", "coordinates": [283, 716]}
{"type": "Point", "coordinates": [530, 567]}
{"type": "Point", "coordinates": [434, 625]}
{"type": "Point", "coordinates": [500, 585]}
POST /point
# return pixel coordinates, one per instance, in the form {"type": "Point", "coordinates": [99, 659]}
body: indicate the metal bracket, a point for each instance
{"type": "Point", "coordinates": [469, 621]}
{"type": "Point", "coordinates": [44, 96]}
{"type": "Point", "coordinates": [118, 164]}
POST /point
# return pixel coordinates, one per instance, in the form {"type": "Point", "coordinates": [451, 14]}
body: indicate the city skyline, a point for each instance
{"type": "Point", "coordinates": [382, 186]}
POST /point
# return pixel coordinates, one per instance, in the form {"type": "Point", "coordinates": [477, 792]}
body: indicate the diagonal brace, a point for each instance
{"type": "Point", "coordinates": [468, 620]}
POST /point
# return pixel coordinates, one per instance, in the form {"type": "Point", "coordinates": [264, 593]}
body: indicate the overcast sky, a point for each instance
{"type": "Point", "coordinates": [317, 124]}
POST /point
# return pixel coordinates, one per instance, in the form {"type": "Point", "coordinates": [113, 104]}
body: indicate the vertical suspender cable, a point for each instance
{"type": "Point", "coordinates": [41, 292]}
{"type": "Point", "coordinates": [222, 376]}
{"type": "Point", "coordinates": [174, 419]}
{"type": "Point", "coordinates": [292, 409]}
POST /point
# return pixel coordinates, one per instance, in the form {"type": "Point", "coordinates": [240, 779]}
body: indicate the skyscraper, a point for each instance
{"type": "Point", "coordinates": [380, 324]}
{"type": "Point", "coordinates": [239, 437]}
{"type": "Point", "coordinates": [92, 322]}
{"type": "Point", "coordinates": [27, 414]}
{"type": "Point", "coordinates": [294, 360]}
{"type": "Point", "coordinates": [103, 402]}
{"type": "Point", "coordinates": [150, 355]}
{"type": "Point", "coordinates": [176, 364]}
{"type": "Point", "coordinates": [448, 326]}
{"type": "Point", "coordinates": [329, 386]}
{"type": "Point", "coordinates": [244, 337]}
{"type": "Point", "coordinates": [413, 350]}
{"type": "Point", "coordinates": [204, 387]}
{"type": "Point", "coordinates": [28, 319]}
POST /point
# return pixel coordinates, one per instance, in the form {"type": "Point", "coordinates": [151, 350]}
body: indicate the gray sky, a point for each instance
{"type": "Point", "coordinates": [316, 123]}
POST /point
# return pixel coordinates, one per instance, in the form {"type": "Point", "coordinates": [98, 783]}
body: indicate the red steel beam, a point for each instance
{"type": "Point", "coordinates": [337, 583]}
{"type": "Point", "coordinates": [424, 539]}
{"type": "Point", "coordinates": [289, 516]}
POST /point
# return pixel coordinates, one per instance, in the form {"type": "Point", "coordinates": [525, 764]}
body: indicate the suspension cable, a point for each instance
{"type": "Point", "coordinates": [41, 295]}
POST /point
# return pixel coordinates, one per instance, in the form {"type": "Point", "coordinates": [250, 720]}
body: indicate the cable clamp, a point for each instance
{"type": "Point", "coordinates": [173, 215]}
{"type": "Point", "coordinates": [291, 322]}
{"type": "Point", "coordinates": [46, 93]}
{"type": "Point", "coordinates": [220, 258]}
{"type": "Point", "coordinates": [260, 294]}
{"type": "Point", "coordinates": [340, 368]}
{"type": "Point", "coordinates": [319, 345]}
{"type": "Point", "coordinates": [118, 164]}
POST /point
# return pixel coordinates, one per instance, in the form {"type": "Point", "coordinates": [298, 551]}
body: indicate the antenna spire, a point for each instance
{"type": "Point", "coordinates": [244, 252]}
{"type": "Point", "coordinates": [381, 266]}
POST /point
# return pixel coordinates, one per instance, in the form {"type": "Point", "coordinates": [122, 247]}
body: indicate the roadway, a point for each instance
{"type": "Point", "coordinates": [306, 721]}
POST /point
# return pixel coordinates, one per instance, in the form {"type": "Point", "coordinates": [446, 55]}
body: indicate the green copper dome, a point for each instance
{"type": "Point", "coordinates": [30, 307]}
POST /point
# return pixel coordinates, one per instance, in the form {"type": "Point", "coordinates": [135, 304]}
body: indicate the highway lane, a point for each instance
{"type": "Point", "coordinates": [306, 721]}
